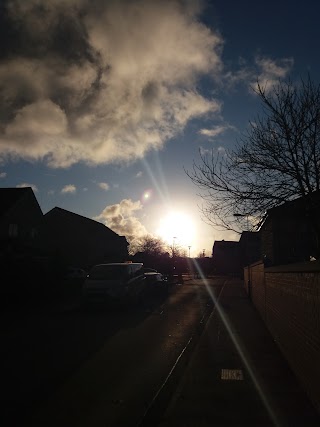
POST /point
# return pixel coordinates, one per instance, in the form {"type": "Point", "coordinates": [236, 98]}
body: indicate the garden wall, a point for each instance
{"type": "Point", "coordinates": [288, 299]}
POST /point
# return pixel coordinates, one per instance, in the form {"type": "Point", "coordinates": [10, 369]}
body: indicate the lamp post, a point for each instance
{"type": "Point", "coordinates": [189, 250]}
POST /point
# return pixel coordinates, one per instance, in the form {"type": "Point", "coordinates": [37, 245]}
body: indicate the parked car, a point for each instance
{"type": "Point", "coordinates": [155, 279]}
{"type": "Point", "coordinates": [121, 282]}
{"type": "Point", "coordinates": [153, 275]}
{"type": "Point", "coordinates": [75, 273]}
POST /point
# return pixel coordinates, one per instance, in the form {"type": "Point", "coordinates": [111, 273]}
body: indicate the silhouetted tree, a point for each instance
{"type": "Point", "coordinates": [150, 245]}
{"type": "Point", "coordinates": [276, 160]}
{"type": "Point", "coordinates": [177, 251]}
{"type": "Point", "coordinates": [152, 251]}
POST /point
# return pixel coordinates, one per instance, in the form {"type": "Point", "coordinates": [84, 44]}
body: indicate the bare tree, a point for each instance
{"type": "Point", "coordinates": [177, 251]}
{"type": "Point", "coordinates": [150, 245]}
{"type": "Point", "coordinates": [276, 160]}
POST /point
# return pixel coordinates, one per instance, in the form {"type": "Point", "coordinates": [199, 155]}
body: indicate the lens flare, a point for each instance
{"type": "Point", "coordinates": [146, 196]}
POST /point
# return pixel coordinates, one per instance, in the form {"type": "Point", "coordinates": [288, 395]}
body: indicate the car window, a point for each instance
{"type": "Point", "coordinates": [131, 269]}
{"type": "Point", "coordinates": [138, 270]}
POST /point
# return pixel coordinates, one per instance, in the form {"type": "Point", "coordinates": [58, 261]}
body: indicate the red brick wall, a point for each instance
{"type": "Point", "coordinates": [288, 299]}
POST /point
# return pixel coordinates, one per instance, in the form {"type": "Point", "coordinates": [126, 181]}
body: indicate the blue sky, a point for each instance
{"type": "Point", "coordinates": [104, 104]}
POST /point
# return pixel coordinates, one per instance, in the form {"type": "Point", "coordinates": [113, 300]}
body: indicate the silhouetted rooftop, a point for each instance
{"type": "Point", "coordinates": [9, 197]}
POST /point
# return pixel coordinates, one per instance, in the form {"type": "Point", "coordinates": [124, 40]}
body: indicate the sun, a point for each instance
{"type": "Point", "coordinates": [177, 228]}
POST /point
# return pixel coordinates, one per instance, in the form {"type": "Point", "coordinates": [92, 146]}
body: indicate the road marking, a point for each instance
{"type": "Point", "coordinates": [232, 374]}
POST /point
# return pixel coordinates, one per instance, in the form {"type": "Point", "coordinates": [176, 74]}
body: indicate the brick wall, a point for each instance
{"type": "Point", "coordinates": [288, 299]}
{"type": "Point", "coordinates": [254, 281]}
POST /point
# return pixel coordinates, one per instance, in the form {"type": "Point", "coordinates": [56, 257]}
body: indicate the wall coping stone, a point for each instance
{"type": "Point", "coordinates": [298, 267]}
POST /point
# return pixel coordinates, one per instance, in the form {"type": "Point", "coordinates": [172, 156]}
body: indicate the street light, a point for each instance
{"type": "Point", "coordinates": [189, 250]}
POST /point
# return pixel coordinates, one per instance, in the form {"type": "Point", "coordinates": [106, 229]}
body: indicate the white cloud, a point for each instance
{"type": "Point", "coordinates": [217, 130]}
{"type": "Point", "coordinates": [266, 70]}
{"type": "Point", "coordinates": [122, 220]}
{"type": "Point", "coordinates": [70, 188]}
{"type": "Point", "coordinates": [25, 184]}
{"type": "Point", "coordinates": [3, 174]}
{"type": "Point", "coordinates": [123, 85]}
{"type": "Point", "coordinates": [103, 186]}
{"type": "Point", "coordinates": [271, 71]}
{"type": "Point", "coordinates": [221, 151]}
{"type": "Point", "coordinates": [204, 151]}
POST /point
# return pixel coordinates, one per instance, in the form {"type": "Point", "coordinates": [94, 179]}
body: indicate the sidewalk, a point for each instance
{"type": "Point", "coordinates": [237, 376]}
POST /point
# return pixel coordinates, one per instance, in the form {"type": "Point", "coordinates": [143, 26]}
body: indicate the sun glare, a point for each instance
{"type": "Point", "coordinates": [177, 227]}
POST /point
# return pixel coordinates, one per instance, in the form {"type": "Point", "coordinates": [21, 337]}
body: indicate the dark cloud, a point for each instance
{"type": "Point", "coordinates": [34, 29]}
{"type": "Point", "coordinates": [100, 81]}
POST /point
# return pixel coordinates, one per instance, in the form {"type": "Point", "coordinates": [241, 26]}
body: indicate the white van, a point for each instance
{"type": "Point", "coordinates": [114, 282]}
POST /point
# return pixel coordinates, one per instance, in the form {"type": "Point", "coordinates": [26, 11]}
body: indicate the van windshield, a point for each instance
{"type": "Point", "coordinates": [106, 272]}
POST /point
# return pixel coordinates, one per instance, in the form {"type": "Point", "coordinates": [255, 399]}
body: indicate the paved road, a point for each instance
{"type": "Point", "coordinates": [70, 367]}
{"type": "Point", "coordinates": [237, 375]}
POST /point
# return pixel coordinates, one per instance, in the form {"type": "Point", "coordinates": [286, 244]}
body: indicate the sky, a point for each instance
{"type": "Point", "coordinates": [104, 105]}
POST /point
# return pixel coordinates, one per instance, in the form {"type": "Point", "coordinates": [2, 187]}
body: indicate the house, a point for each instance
{"type": "Point", "coordinates": [20, 220]}
{"type": "Point", "coordinates": [250, 247]}
{"type": "Point", "coordinates": [288, 232]}
{"type": "Point", "coordinates": [80, 241]}
{"type": "Point", "coordinates": [22, 259]}
{"type": "Point", "coordinates": [35, 249]}
{"type": "Point", "coordinates": [226, 257]}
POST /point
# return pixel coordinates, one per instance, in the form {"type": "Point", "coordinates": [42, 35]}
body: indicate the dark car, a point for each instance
{"type": "Point", "coordinates": [75, 273]}
{"type": "Point", "coordinates": [155, 279]}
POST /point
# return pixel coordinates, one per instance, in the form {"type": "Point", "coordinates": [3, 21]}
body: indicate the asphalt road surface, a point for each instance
{"type": "Point", "coordinates": [68, 366]}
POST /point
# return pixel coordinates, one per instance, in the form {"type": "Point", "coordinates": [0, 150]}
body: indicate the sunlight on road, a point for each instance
{"type": "Point", "coordinates": [239, 347]}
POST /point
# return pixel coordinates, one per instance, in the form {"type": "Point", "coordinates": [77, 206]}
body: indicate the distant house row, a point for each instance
{"type": "Point", "coordinates": [286, 236]}
{"type": "Point", "coordinates": [71, 238]}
